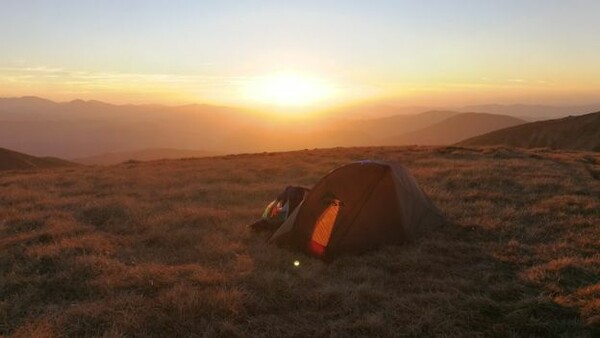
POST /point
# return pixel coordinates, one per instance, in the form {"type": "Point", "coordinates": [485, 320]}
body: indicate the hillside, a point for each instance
{"type": "Point", "coordinates": [532, 112]}
{"type": "Point", "coordinates": [455, 128]}
{"type": "Point", "coordinates": [12, 160]}
{"type": "Point", "coordinates": [160, 249]}
{"type": "Point", "coordinates": [143, 155]}
{"type": "Point", "coordinates": [574, 132]}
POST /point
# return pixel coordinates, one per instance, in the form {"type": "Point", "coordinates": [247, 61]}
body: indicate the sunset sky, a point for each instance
{"type": "Point", "coordinates": [314, 54]}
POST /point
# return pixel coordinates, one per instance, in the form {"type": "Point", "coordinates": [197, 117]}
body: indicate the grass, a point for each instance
{"type": "Point", "coordinates": [160, 249]}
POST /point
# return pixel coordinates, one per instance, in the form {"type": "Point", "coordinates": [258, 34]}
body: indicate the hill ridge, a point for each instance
{"type": "Point", "coordinates": [14, 160]}
{"type": "Point", "coordinates": [455, 128]}
{"type": "Point", "coordinates": [571, 133]}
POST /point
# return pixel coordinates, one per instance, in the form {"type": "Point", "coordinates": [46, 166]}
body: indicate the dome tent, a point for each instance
{"type": "Point", "coordinates": [359, 207]}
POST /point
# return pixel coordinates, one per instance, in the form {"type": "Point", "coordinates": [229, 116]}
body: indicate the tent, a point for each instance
{"type": "Point", "coordinates": [356, 208]}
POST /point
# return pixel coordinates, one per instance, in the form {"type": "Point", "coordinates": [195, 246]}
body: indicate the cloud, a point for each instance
{"type": "Point", "coordinates": [57, 82]}
{"type": "Point", "coordinates": [43, 72]}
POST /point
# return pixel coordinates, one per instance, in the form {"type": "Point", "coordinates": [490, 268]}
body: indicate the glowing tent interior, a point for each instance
{"type": "Point", "coordinates": [356, 208]}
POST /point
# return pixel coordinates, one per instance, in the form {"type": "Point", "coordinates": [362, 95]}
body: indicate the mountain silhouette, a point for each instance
{"type": "Point", "coordinates": [455, 128]}
{"type": "Point", "coordinates": [12, 160]}
{"type": "Point", "coordinates": [573, 132]}
{"type": "Point", "coordinates": [533, 112]}
{"type": "Point", "coordinates": [143, 155]}
{"type": "Point", "coordinates": [82, 129]}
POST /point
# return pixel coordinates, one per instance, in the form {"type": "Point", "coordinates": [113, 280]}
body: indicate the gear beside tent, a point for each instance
{"type": "Point", "coordinates": [356, 208]}
{"type": "Point", "coordinates": [279, 209]}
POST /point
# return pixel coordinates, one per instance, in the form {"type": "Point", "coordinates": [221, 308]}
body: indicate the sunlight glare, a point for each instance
{"type": "Point", "coordinates": [288, 89]}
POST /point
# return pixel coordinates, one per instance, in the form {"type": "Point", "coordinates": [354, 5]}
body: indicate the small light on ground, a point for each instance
{"type": "Point", "coordinates": [296, 263]}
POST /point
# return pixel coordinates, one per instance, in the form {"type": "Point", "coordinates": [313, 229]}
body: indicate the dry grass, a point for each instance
{"type": "Point", "coordinates": [161, 249]}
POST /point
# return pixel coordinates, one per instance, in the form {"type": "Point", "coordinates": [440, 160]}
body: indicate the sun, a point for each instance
{"type": "Point", "coordinates": [288, 89]}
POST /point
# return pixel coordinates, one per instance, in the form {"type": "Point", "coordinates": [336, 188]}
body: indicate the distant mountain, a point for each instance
{"type": "Point", "coordinates": [455, 128]}
{"type": "Point", "coordinates": [143, 155]}
{"type": "Point", "coordinates": [80, 129]}
{"type": "Point", "coordinates": [390, 126]}
{"type": "Point", "coordinates": [12, 160]}
{"type": "Point", "coordinates": [378, 110]}
{"type": "Point", "coordinates": [573, 132]}
{"type": "Point", "coordinates": [528, 112]}
{"type": "Point", "coordinates": [333, 133]}
{"type": "Point", "coordinates": [531, 112]}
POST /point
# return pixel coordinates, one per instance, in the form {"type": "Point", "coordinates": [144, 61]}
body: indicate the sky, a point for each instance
{"type": "Point", "coordinates": [308, 53]}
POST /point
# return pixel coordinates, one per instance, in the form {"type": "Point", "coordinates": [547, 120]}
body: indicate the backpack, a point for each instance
{"type": "Point", "coordinates": [278, 210]}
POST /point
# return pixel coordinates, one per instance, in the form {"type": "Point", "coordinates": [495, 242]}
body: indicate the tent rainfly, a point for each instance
{"type": "Point", "coordinates": [356, 208]}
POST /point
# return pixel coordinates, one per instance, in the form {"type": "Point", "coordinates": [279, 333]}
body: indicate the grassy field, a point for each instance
{"type": "Point", "coordinates": [161, 249]}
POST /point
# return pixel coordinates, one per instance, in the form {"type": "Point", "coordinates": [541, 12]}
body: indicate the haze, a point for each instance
{"type": "Point", "coordinates": [434, 53]}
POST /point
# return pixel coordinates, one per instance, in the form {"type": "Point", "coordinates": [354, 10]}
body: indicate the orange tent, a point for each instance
{"type": "Point", "coordinates": [358, 207]}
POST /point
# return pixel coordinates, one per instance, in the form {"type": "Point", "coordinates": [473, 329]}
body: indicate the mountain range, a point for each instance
{"type": "Point", "coordinates": [103, 133]}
